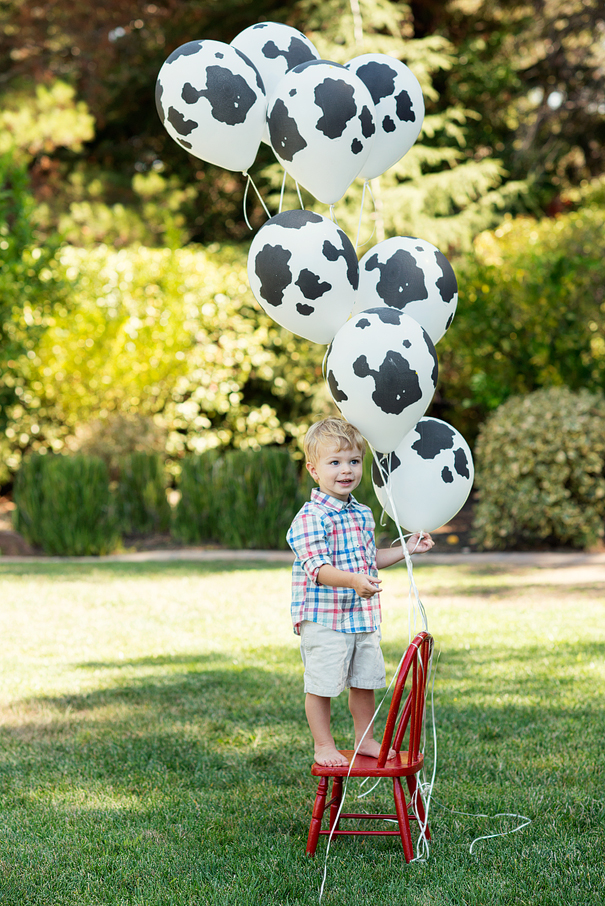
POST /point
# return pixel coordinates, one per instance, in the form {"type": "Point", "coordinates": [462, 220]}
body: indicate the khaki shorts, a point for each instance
{"type": "Point", "coordinates": [338, 660]}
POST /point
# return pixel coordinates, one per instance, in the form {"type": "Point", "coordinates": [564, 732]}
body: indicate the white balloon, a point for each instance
{"type": "Point", "coordinates": [275, 49]}
{"type": "Point", "coordinates": [211, 100]}
{"type": "Point", "coordinates": [382, 372]}
{"type": "Point", "coordinates": [428, 477]}
{"type": "Point", "coordinates": [399, 107]}
{"type": "Point", "coordinates": [413, 276]}
{"type": "Point", "coordinates": [321, 126]}
{"type": "Point", "coordinates": [303, 271]}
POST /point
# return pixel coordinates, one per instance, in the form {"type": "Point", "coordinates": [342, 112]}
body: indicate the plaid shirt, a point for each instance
{"type": "Point", "coordinates": [329, 531]}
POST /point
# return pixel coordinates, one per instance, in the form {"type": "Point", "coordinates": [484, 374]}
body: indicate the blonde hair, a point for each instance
{"type": "Point", "coordinates": [332, 431]}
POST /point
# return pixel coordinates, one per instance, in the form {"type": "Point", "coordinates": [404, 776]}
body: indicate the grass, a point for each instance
{"type": "Point", "coordinates": [154, 750]}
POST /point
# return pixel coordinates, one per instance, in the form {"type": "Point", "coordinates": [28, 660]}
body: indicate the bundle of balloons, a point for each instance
{"type": "Point", "coordinates": [328, 124]}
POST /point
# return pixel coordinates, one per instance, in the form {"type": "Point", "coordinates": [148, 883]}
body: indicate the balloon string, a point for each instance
{"type": "Point", "coordinates": [363, 198]}
{"type": "Point", "coordinates": [250, 182]}
{"type": "Point", "coordinates": [299, 196]}
{"type": "Point", "coordinates": [283, 189]}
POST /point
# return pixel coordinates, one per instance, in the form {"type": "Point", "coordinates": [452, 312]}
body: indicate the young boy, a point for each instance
{"type": "Point", "coordinates": [335, 588]}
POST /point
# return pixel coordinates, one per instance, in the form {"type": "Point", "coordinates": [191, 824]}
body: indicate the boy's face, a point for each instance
{"type": "Point", "coordinates": [338, 472]}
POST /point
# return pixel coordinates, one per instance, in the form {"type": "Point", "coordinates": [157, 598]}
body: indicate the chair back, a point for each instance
{"type": "Point", "coordinates": [407, 713]}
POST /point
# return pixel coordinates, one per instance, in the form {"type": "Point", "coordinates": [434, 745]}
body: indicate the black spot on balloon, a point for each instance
{"type": "Point", "coordinates": [356, 146]}
{"type": "Point", "coordinates": [219, 56]}
{"type": "Point", "coordinates": [404, 109]}
{"type": "Point", "coordinates": [446, 475]}
{"type": "Point", "coordinates": [419, 248]}
{"type": "Point", "coordinates": [363, 324]}
{"type": "Point", "coordinates": [338, 395]}
{"type": "Point", "coordinates": [294, 220]}
{"type": "Point", "coordinates": [434, 438]}
{"type": "Point", "coordinates": [229, 95]}
{"type": "Point", "coordinates": [396, 384]}
{"type": "Point", "coordinates": [367, 122]}
{"type": "Point", "coordinates": [303, 309]}
{"type": "Point", "coordinates": [406, 344]}
{"type": "Point", "coordinates": [431, 349]}
{"type": "Point", "coordinates": [309, 284]}
{"type": "Point", "coordinates": [292, 92]}
{"type": "Point", "coordinates": [347, 252]}
{"type": "Point", "coordinates": [386, 315]}
{"type": "Point", "coordinates": [388, 463]}
{"type": "Point", "coordinates": [335, 98]}
{"type": "Point", "coordinates": [461, 463]}
{"type": "Point", "coordinates": [447, 283]}
{"type": "Point", "coordinates": [185, 144]}
{"type": "Point", "coordinates": [449, 321]}
{"type": "Point", "coordinates": [298, 52]}
{"type": "Point", "coordinates": [190, 94]}
{"type": "Point", "coordinates": [180, 124]}
{"type": "Point", "coordinates": [159, 91]}
{"type": "Point", "coordinates": [401, 280]}
{"type": "Point", "coordinates": [388, 125]}
{"type": "Point", "coordinates": [271, 268]}
{"type": "Point", "coordinates": [185, 50]}
{"type": "Point", "coordinates": [379, 78]}
{"type": "Point", "coordinates": [283, 132]}
{"type": "Point", "coordinates": [260, 25]}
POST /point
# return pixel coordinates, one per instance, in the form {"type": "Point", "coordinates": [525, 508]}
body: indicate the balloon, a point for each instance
{"type": "Point", "coordinates": [431, 475]}
{"type": "Point", "coordinates": [382, 372]}
{"type": "Point", "coordinates": [303, 271]}
{"type": "Point", "coordinates": [321, 126]}
{"type": "Point", "coordinates": [212, 102]}
{"type": "Point", "coordinates": [399, 107]}
{"type": "Point", "coordinates": [413, 276]}
{"type": "Point", "coordinates": [274, 48]}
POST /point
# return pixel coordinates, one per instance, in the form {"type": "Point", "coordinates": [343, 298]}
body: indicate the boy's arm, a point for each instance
{"type": "Point", "coordinates": [365, 586]}
{"type": "Point", "coordinates": [418, 543]}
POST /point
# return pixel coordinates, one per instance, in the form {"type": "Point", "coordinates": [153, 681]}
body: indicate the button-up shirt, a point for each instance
{"type": "Point", "coordinates": [340, 534]}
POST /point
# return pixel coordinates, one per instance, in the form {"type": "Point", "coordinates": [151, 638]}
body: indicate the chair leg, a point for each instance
{"type": "Point", "coordinates": [403, 819]}
{"type": "Point", "coordinates": [336, 799]}
{"type": "Point", "coordinates": [414, 790]}
{"type": "Point", "coordinates": [318, 811]}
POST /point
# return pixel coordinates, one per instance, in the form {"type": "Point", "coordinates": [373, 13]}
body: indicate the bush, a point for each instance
{"type": "Point", "coordinates": [64, 505]}
{"type": "Point", "coordinates": [245, 499]}
{"type": "Point", "coordinates": [540, 471]}
{"type": "Point", "coordinates": [142, 507]}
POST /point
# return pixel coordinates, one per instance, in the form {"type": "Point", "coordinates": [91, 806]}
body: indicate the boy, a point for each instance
{"type": "Point", "coordinates": [335, 588]}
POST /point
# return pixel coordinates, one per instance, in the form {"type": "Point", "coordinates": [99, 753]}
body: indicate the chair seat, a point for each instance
{"type": "Point", "coordinates": [366, 766]}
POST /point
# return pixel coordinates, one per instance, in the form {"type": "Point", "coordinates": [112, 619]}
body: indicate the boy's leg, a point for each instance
{"type": "Point", "coordinates": [317, 708]}
{"type": "Point", "coordinates": [362, 707]}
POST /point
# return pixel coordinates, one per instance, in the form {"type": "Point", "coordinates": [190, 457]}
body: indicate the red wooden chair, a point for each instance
{"type": "Point", "coordinates": [404, 721]}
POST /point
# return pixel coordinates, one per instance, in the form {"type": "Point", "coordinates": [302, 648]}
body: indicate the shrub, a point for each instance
{"type": "Point", "coordinates": [64, 505]}
{"type": "Point", "coordinates": [540, 471]}
{"type": "Point", "coordinates": [141, 503]}
{"type": "Point", "coordinates": [245, 499]}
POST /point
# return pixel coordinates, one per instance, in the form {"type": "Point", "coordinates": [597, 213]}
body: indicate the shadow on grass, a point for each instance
{"type": "Point", "coordinates": [73, 570]}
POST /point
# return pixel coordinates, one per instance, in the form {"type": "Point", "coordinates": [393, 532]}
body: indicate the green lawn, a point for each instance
{"type": "Point", "coordinates": [154, 750]}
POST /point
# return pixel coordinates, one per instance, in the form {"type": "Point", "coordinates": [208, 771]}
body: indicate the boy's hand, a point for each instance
{"type": "Point", "coordinates": [365, 586]}
{"type": "Point", "coordinates": [419, 543]}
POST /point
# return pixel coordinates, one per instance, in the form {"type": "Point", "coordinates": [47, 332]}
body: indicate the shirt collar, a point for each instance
{"type": "Point", "coordinates": [332, 503]}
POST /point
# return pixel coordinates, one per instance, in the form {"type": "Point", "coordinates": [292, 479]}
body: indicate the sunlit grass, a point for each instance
{"type": "Point", "coordinates": [154, 749]}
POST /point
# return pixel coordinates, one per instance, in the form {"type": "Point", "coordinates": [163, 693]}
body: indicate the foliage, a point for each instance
{"type": "Point", "coordinates": [64, 505]}
{"type": "Point", "coordinates": [245, 499]}
{"type": "Point", "coordinates": [141, 504]}
{"type": "Point", "coordinates": [116, 436]}
{"type": "Point", "coordinates": [541, 471]}
{"type": "Point", "coordinates": [30, 281]}
{"type": "Point", "coordinates": [532, 300]}
{"type": "Point", "coordinates": [174, 336]}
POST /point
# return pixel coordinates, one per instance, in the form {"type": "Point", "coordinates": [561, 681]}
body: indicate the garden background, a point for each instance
{"type": "Point", "coordinates": [126, 321]}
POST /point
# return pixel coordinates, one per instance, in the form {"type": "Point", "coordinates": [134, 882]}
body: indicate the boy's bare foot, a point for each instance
{"type": "Point", "coordinates": [329, 756]}
{"type": "Point", "coordinates": [371, 747]}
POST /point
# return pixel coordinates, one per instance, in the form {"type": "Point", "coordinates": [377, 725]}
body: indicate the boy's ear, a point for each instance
{"type": "Point", "coordinates": [312, 470]}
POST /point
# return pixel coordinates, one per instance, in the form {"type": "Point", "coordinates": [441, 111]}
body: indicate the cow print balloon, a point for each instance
{"type": "Point", "coordinates": [382, 372]}
{"type": "Point", "coordinates": [303, 271]}
{"type": "Point", "coordinates": [321, 127]}
{"type": "Point", "coordinates": [399, 109]}
{"type": "Point", "coordinates": [427, 478]}
{"type": "Point", "coordinates": [275, 49]}
{"type": "Point", "coordinates": [212, 102]}
{"type": "Point", "coordinates": [413, 276]}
